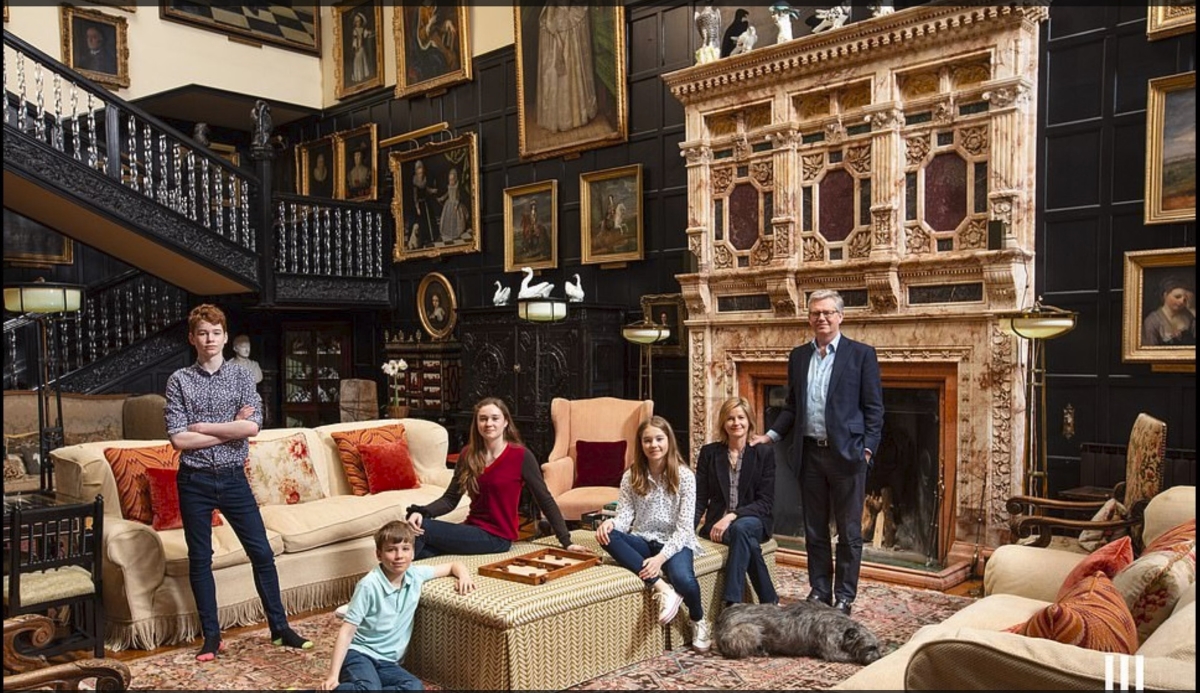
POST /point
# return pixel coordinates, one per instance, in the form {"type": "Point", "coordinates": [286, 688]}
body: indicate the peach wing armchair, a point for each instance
{"type": "Point", "coordinates": [600, 419]}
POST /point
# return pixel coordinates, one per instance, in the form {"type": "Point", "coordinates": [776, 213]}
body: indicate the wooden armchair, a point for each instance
{"type": "Point", "coordinates": [1143, 480]}
{"type": "Point", "coordinates": [25, 672]}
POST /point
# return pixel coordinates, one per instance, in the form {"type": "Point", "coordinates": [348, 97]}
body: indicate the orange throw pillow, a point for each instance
{"type": "Point", "coordinates": [1109, 559]}
{"type": "Point", "coordinates": [164, 495]}
{"type": "Point", "coordinates": [1179, 534]}
{"type": "Point", "coordinates": [1092, 615]}
{"type": "Point", "coordinates": [347, 444]}
{"type": "Point", "coordinates": [129, 467]}
{"type": "Point", "coordinates": [389, 467]}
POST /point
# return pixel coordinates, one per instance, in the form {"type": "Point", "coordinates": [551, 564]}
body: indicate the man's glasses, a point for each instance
{"type": "Point", "coordinates": [822, 313]}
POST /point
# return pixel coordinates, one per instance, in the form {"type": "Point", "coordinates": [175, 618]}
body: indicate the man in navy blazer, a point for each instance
{"type": "Point", "coordinates": [836, 394]}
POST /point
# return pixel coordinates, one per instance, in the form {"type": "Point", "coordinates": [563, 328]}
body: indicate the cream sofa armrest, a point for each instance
{"type": "Point", "coordinates": [1169, 508]}
{"type": "Point", "coordinates": [134, 566]}
{"type": "Point", "coordinates": [439, 477]}
{"type": "Point", "coordinates": [560, 475]}
{"type": "Point", "coordinates": [974, 659]}
{"type": "Point", "coordinates": [1028, 571]}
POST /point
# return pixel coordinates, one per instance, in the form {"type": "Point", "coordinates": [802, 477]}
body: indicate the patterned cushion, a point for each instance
{"type": "Point", "coordinates": [1092, 615]}
{"type": "Point", "coordinates": [1152, 584]}
{"type": "Point", "coordinates": [281, 472]}
{"type": "Point", "coordinates": [129, 467]}
{"type": "Point", "coordinates": [164, 496]}
{"type": "Point", "coordinates": [389, 467]}
{"type": "Point", "coordinates": [1092, 539]}
{"type": "Point", "coordinates": [1144, 459]}
{"type": "Point", "coordinates": [1178, 534]}
{"type": "Point", "coordinates": [1108, 559]}
{"type": "Point", "coordinates": [347, 444]}
{"type": "Point", "coordinates": [599, 464]}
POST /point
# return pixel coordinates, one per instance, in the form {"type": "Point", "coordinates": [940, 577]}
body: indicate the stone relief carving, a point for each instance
{"type": "Point", "coordinates": [741, 147]}
{"type": "Point", "coordinates": [973, 235]}
{"type": "Point", "coordinates": [722, 257]}
{"type": "Point", "coordinates": [883, 120]}
{"type": "Point", "coordinates": [881, 227]}
{"type": "Point", "coordinates": [915, 149]}
{"type": "Point", "coordinates": [974, 139]}
{"type": "Point", "coordinates": [859, 244]}
{"type": "Point", "coordinates": [1003, 97]}
{"type": "Point", "coordinates": [943, 113]}
{"type": "Point", "coordinates": [699, 357]}
{"type": "Point", "coordinates": [722, 178]}
{"type": "Point", "coordinates": [697, 155]}
{"type": "Point", "coordinates": [811, 165]}
{"type": "Point", "coordinates": [1002, 208]}
{"type": "Point", "coordinates": [814, 250]}
{"type": "Point", "coordinates": [858, 158]}
{"type": "Point", "coordinates": [763, 172]}
{"type": "Point", "coordinates": [696, 245]}
{"type": "Point", "coordinates": [835, 132]}
{"type": "Point", "coordinates": [917, 241]}
{"type": "Point", "coordinates": [783, 240]}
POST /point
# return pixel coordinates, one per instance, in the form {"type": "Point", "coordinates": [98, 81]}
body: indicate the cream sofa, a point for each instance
{"type": "Point", "coordinates": [970, 651]}
{"type": "Point", "coordinates": [321, 547]}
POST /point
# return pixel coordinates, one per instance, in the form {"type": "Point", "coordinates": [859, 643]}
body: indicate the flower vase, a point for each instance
{"type": "Point", "coordinates": [397, 411]}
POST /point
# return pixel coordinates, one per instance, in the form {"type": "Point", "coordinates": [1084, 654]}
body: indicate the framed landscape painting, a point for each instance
{"type": "Point", "coordinates": [571, 93]}
{"type": "Point", "coordinates": [291, 24]}
{"type": "Point", "coordinates": [357, 164]}
{"type": "Point", "coordinates": [436, 198]}
{"type": "Point", "coordinates": [357, 49]}
{"type": "Point", "coordinates": [611, 215]}
{"type": "Point", "coordinates": [433, 46]}
{"type": "Point", "coordinates": [1171, 149]}
{"type": "Point", "coordinates": [531, 226]}
{"type": "Point", "coordinates": [1159, 321]}
{"type": "Point", "coordinates": [96, 45]}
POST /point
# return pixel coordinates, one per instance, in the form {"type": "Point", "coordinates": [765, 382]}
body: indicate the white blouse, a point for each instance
{"type": "Point", "coordinates": [659, 515]}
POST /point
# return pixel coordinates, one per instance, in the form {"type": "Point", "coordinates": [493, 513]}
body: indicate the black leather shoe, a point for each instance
{"type": "Point", "coordinates": [843, 607]}
{"type": "Point", "coordinates": [817, 599]}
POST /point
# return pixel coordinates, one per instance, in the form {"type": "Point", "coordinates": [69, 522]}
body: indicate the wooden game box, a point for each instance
{"type": "Point", "coordinates": [539, 566]}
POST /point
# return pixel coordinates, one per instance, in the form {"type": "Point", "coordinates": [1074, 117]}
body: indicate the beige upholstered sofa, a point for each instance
{"type": "Point", "coordinates": [970, 650]}
{"type": "Point", "coordinates": [322, 547]}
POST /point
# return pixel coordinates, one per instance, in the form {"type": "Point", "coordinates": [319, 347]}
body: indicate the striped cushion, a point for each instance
{"type": "Point", "coordinates": [347, 444]}
{"type": "Point", "coordinates": [1178, 534]}
{"type": "Point", "coordinates": [1092, 615]}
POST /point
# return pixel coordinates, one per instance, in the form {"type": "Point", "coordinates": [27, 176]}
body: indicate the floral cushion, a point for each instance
{"type": "Point", "coordinates": [281, 471]}
{"type": "Point", "coordinates": [1092, 539]}
{"type": "Point", "coordinates": [1178, 534]}
{"type": "Point", "coordinates": [129, 467]}
{"type": "Point", "coordinates": [1153, 583]}
{"type": "Point", "coordinates": [347, 444]}
{"type": "Point", "coordinates": [1109, 559]}
{"type": "Point", "coordinates": [1144, 459]}
{"type": "Point", "coordinates": [1092, 615]}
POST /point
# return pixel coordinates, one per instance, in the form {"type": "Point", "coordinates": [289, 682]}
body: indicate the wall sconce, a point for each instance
{"type": "Point", "coordinates": [645, 333]}
{"type": "Point", "coordinates": [542, 309]}
{"type": "Point", "coordinates": [1035, 325]}
{"type": "Point", "coordinates": [46, 303]}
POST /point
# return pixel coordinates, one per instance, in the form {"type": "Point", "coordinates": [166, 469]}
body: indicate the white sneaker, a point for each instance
{"type": "Point", "coordinates": [701, 635]}
{"type": "Point", "coordinates": [668, 604]}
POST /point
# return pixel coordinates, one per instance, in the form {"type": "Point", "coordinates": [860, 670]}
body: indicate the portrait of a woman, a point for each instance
{"type": "Point", "coordinates": [1173, 321]}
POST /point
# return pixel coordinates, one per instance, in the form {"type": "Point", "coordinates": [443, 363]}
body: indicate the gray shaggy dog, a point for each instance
{"type": "Point", "coordinates": [800, 630]}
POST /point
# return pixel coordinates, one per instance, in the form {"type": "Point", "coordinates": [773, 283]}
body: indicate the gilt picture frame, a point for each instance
{"type": "Point", "coordinates": [1171, 149]}
{"type": "Point", "coordinates": [611, 215]}
{"type": "Point", "coordinates": [437, 306]}
{"type": "Point", "coordinates": [315, 168]}
{"type": "Point", "coordinates": [30, 244]}
{"type": "Point", "coordinates": [1166, 19]}
{"type": "Point", "coordinates": [1159, 323]}
{"type": "Point", "coordinates": [294, 26]}
{"type": "Point", "coordinates": [357, 47]}
{"type": "Point", "coordinates": [571, 78]}
{"type": "Point", "coordinates": [96, 45]}
{"type": "Point", "coordinates": [433, 46]}
{"type": "Point", "coordinates": [356, 153]}
{"type": "Point", "coordinates": [436, 198]}
{"type": "Point", "coordinates": [669, 310]}
{"type": "Point", "coordinates": [531, 226]}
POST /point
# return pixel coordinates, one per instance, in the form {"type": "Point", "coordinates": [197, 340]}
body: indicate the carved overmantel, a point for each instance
{"type": "Point", "coordinates": [892, 159]}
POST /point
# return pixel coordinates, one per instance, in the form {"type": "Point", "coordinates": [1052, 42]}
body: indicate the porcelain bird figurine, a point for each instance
{"type": "Point", "coordinates": [500, 298]}
{"type": "Point", "coordinates": [746, 41]}
{"type": "Point", "coordinates": [574, 291]}
{"type": "Point", "coordinates": [539, 290]}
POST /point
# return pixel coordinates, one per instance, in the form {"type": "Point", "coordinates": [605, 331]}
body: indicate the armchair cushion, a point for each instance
{"type": "Point", "coordinates": [599, 464]}
{"type": "Point", "coordinates": [281, 471]}
{"type": "Point", "coordinates": [1153, 584]}
{"type": "Point", "coordinates": [1144, 459]}
{"type": "Point", "coordinates": [164, 496]}
{"type": "Point", "coordinates": [347, 445]}
{"type": "Point", "coordinates": [1109, 559]}
{"type": "Point", "coordinates": [389, 467]}
{"type": "Point", "coordinates": [1092, 539]}
{"type": "Point", "coordinates": [1092, 615]}
{"type": "Point", "coordinates": [129, 467]}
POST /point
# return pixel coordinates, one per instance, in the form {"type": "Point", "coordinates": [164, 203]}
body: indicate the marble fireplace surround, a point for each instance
{"type": "Point", "coordinates": [884, 106]}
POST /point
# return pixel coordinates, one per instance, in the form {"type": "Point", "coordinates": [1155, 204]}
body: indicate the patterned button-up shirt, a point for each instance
{"type": "Point", "coordinates": [194, 395]}
{"type": "Point", "coordinates": [660, 516]}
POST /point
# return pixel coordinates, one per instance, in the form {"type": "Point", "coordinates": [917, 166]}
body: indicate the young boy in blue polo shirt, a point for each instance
{"type": "Point", "coordinates": [379, 619]}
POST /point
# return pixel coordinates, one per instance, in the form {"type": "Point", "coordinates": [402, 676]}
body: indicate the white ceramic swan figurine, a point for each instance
{"type": "Point", "coordinates": [500, 298]}
{"type": "Point", "coordinates": [574, 291]}
{"type": "Point", "coordinates": [540, 290]}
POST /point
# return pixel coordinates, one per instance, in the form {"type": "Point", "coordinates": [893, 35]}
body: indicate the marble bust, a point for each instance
{"type": "Point", "coordinates": [241, 350]}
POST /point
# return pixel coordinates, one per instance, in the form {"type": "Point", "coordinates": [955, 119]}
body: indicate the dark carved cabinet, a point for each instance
{"type": "Point", "coordinates": [527, 364]}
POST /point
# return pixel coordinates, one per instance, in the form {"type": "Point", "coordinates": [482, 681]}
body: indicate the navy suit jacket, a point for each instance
{"type": "Point", "coordinates": [756, 485]}
{"type": "Point", "coordinates": [853, 405]}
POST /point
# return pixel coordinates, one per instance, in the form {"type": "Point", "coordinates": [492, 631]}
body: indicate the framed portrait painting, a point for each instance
{"type": "Point", "coordinates": [356, 154]}
{"type": "Point", "coordinates": [314, 168]}
{"type": "Point", "coordinates": [357, 48]}
{"type": "Point", "coordinates": [1171, 149]}
{"type": "Point", "coordinates": [571, 92]}
{"type": "Point", "coordinates": [1159, 324]}
{"type": "Point", "coordinates": [436, 305]}
{"type": "Point", "coordinates": [433, 46]}
{"type": "Point", "coordinates": [1164, 19]}
{"type": "Point", "coordinates": [436, 198]}
{"type": "Point", "coordinates": [667, 310]}
{"type": "Point", "coordinates": [30, 244]}
{"type": "Point", "coordinates": [611, 215]}
{"type": "Point", "coordinates": [96, 45]}
{"type": "Point", "coordinates": [294, 25]}
{"type": "Point", "coordinates": [531, 226]}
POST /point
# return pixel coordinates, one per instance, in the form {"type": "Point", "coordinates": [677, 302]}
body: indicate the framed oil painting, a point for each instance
{"type": "Point", "coordinates": [1165, 19]}
{"type": "Point", "coordinates": [436, 305]}
{"type": "Point", "coordinates": [571, 93]}
{"type": "Point", "coordinates": [30, 244]}
{"type": "Point", "coordinates": [119, 4]}
{"type": "Point", "coordinates": [357, 47]}
{"type": "Point", "coordinates": [531, 226]}
{"type": "Point", "coordinates": [356, 156]}
{"type": "Point", "coordinates": [314, 168]}
{"type": "Point", "coordinates": [1159, 324]}
{"type": "Point", "coordinates": [294, 25]}
{"type": "Point", "coordinates": [433, 46]}
{"type": "Point", "coordinates": [668, 310]}
{"type": "Point", "coordinates": [611, 215]}
{"type": "Point", "coordinates": [1171, 149]}
{"type": "Point", "coordinates": [436, 199]}
{"type": "Point", "coordinates": [96, 45]}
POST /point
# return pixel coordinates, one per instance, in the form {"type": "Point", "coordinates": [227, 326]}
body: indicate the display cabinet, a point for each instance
{"type": "Point", "coordinates": [316, 356]}
{"type": "Point", "coordinates": [431, 383]}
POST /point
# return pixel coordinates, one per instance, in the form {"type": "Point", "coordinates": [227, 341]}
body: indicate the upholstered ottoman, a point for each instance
{"type": "Point", "coordinates": [512, 636]}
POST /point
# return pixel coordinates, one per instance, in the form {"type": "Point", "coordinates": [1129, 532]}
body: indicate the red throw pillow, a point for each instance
{"type": "Point", "coordinates": [599, 464]}
{"type": "Point", "coordinates": [129, 466]}
{"type": "Point", "coordinates": [1092, 615]}
{"type": "Point", "coordinates": [164, 498]}
{"type": "Point", "coordinates": [347, 445]}
{"type": "Point", "coordinates": [1109, 559]}
{"type": "Point", "coordinates": [389, 466]}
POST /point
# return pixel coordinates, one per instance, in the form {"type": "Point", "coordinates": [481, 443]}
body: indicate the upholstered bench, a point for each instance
{"type": "Point", "coordinates": [512, 636]}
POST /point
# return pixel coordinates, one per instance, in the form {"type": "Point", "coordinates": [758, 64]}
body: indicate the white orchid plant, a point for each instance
{"type": "Point", "coordinates": [394, 370]}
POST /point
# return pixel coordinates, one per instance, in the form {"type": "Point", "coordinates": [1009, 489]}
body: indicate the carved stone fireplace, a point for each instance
{"type": "Point", "coordinates": [893, 160]}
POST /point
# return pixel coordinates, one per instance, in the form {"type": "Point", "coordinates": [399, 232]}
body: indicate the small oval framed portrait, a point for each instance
{"type": "Point", "coordinates": [436, 305]}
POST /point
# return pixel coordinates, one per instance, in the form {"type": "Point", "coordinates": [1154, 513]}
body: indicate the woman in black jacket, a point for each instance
{"type": "Point", "coordinates": [740, 519]}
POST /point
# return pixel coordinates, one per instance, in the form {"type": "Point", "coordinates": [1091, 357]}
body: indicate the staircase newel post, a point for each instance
{"type": "Point", "coordinates": [263, 154]}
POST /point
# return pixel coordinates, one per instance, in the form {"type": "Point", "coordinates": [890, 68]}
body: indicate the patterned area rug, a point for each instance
{"type": "Point", "coordinates": [251, 662]}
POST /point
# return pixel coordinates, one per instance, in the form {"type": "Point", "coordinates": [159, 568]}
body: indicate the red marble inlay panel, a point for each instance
{"type": "Point", "coordinates": [836, 219]}
{"type": "Point", "coordinates": [945, 192]}
{"type": "Point", "coordinates": [744, 218]}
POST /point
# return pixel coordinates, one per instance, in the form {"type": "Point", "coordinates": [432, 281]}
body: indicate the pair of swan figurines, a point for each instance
{"type": "Point", "coordinates": [540, 290]}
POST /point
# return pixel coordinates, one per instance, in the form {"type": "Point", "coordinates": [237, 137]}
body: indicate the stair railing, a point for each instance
{"type": "Point", "coordinates": [328, 238]}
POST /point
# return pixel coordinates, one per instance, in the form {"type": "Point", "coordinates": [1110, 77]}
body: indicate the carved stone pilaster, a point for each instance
{"type": "Point", "coordinates": [881, 228]}
{"type": "Point", "coordinates": [699, 385]}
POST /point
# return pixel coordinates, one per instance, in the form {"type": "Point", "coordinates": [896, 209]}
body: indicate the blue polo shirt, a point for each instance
{"type": "Point", "coordinates": [384, 613]}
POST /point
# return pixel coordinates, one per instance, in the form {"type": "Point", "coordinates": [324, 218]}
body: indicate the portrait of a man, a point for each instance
{"type": "Point", "coordinates": [95, 49]}
{"type": "Point", "coordinates": [96, 44]}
